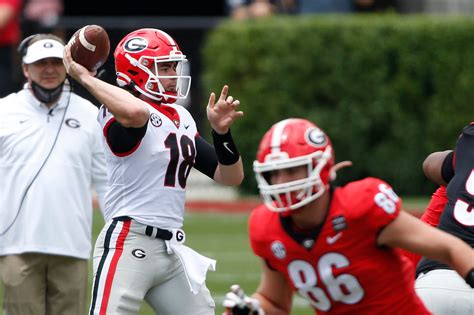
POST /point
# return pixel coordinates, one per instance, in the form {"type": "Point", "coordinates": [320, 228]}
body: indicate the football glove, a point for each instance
{"type": "Point", "coordinates": [237, 303]}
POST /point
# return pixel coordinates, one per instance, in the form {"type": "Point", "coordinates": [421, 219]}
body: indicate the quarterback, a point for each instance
{"type": "Point", "coordinates": [151, 143]}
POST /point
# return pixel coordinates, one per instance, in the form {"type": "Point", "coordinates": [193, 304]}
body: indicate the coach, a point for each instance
{"type": "Point", "coordinates": [50, 158]}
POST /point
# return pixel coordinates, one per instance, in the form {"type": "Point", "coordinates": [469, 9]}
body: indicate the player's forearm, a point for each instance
{"type": "Point", "coordinates": [230, 175]}
{"type": "Point", "coordinates": [460, 257]}
{"type": "Point", "coordinates": [129, 110]}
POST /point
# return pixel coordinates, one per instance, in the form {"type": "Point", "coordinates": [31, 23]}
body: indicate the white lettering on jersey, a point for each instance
{"type": "Point", "coordinates": [463, 211]}
{"type": "Point", "coordinates": [386, 199]}
{"type": "Point", "coordinates": [344, 288]}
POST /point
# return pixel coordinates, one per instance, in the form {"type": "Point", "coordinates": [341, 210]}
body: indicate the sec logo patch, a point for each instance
{"type": "Point", "coordinates": [278, 249]}
{"type": "Point", "coordinates": [155, 120]}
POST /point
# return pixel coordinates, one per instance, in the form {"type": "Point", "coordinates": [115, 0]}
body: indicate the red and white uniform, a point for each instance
{"type": "Point", "coordinates": [147, 191]}
{"type": "Point", "coordinates": [148, 183]}
{"type": "Point", "coordinates": [342, 270]}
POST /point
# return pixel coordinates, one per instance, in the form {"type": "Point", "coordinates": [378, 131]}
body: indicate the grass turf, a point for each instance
{"type": "Point", "coordinates": [223, 236]}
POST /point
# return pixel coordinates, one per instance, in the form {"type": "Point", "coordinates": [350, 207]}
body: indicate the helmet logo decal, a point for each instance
{"type": "Point", "coordinates": [135, 44]}
{"type": "Point", "coordinates": [278, 249]}
{"type": "Point", "coordinates": [316, 137]}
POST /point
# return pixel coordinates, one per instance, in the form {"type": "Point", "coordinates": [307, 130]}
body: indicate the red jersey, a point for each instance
{"type": "Point", "coordinates": [431, 216]}
{"type": "Point", "coordinates": [341, 269]}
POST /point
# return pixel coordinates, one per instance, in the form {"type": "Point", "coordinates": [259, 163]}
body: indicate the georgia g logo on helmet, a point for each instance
{"type": "Point", "coordinates": [135, 44]}
{"type": "Point", "coordinates": [316, 137]}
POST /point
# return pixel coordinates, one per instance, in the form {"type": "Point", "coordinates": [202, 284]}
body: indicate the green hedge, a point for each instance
{"type": "Point", "coordinates": [387, 89]}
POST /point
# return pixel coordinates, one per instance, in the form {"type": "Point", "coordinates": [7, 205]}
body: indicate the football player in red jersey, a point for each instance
{"type": "Point", "coordinates": [334, 246]}
{"type": "Point", "coordinates": [441, 288]}
{"type": "Point", "coordinates": [151, 143]}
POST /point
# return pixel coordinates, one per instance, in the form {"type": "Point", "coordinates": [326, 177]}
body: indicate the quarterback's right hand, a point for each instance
{"type": "Point", "coordinates": [237, 303]}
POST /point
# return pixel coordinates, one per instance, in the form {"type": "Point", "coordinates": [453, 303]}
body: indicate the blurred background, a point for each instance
{"type": "Point", "coordinates": [389, 81]}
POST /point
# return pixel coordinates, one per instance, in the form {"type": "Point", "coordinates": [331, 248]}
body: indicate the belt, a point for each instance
{"type": "Point", "coordinates": [151, 230]}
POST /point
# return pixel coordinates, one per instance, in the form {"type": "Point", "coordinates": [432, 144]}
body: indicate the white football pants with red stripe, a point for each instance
{"type": "Point", "coordinates": [130, 267]}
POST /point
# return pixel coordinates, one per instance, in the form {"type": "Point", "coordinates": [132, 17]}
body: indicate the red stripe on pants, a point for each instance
{"type": "Point", "coordinates": [113, 265]}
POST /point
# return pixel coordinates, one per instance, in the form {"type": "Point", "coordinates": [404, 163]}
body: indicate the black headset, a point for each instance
{"type": "Point", "coordinates": [25, 43]}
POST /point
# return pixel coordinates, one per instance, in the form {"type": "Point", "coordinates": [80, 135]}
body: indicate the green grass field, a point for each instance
{"type": "Point", "coordinates": [223, 237]}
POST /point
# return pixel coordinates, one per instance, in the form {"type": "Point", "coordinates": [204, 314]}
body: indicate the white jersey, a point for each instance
{"type": "Point", "coordinates": [148, 183]}
{"type": "Point", "coordinates": [55, 215]}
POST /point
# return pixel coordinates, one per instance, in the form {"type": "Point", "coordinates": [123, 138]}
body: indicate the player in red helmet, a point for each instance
{"type": "Point", "coordinates": [334, 246]}
{"type": "Point", "coordinates": [137, 60]}
{"type": "Point", "coordinates": [151, 143]}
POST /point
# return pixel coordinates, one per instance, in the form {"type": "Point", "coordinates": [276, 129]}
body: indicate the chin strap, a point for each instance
{"type": "Point", "coordinates": [47, 96]}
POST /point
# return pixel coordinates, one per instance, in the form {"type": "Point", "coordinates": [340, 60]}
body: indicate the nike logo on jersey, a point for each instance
{"type": "Point", "coordinates": [186, 126]}
{"type": "Point", "coordinates": [23, 121]}
{"type": "Point", "coordinates": [226, 145]}
{"type": "Point", "coordinates": [333, 239]}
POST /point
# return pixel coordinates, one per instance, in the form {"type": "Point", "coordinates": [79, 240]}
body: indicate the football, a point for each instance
{"type": "Point", "coordinates": [90, 46]}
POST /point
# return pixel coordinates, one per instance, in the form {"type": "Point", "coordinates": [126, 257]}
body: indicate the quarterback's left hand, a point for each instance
{"type": "Point", "coordinates": [221, 114]}
{"type": "Point", "coordinates": [237, 303]}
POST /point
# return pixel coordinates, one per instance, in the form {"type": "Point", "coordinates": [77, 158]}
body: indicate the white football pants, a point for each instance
{"type": "Point", "coordinates": [130, 267]}
{"type": "Point", "coordinates": [445, 292]}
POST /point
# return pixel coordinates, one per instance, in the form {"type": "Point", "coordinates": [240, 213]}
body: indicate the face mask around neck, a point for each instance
{"type": "Point", "coordinates": [47, 96]}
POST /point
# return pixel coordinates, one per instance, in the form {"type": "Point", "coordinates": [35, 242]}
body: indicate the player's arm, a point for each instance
{"type": "Point", "coordinates": [411, 234]}
{"type": "Point", "coordinates": [431, 216]}
{"type": "Point", "coordinates": [207, 162]}
{"type": "Point", "coordinates": [438, 167]}
{"type": "Point", "coordinates": [221, 115]}
{"type": "Point", "coordinates": [129, 110]}
{"type": "Point", "coordinates": [273, 292]}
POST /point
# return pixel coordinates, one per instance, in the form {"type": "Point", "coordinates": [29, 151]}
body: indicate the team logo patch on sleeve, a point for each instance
{"type": "Point", "coordinates": [278, 249]}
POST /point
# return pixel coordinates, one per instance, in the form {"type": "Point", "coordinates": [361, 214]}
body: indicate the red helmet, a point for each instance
{"type": "Point", "coordinates": [292, 143]}
{"type": "Point", "coordinates": [136, 64]}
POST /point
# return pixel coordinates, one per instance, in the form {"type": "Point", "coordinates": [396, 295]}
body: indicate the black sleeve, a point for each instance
{"type": "Point", "coordinates": [447, 169]}
{"type": "Point", "coordinates": [121, 139]}
{"type": "Point", "coordinates": [206, 158]}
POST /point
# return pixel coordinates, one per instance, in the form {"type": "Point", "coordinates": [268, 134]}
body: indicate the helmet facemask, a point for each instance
{"type": "Point", "coordinates": [288, 144]}
{"type": "Point", "coordinates": [292, 195]}
{"type": "Point", "coordinates": [153, 88]}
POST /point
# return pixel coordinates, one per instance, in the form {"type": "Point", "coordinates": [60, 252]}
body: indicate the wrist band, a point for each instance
{"type": "Point", "coordinates": [227, 153]}
{"type": "Point", "coordinates": [470, 278]}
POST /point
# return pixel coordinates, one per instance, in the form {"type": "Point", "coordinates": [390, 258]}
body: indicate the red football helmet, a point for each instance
{"type": "Point", "coordinates": [292, 143]}
{"type": "Point", "coordinates": [136, 64]}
